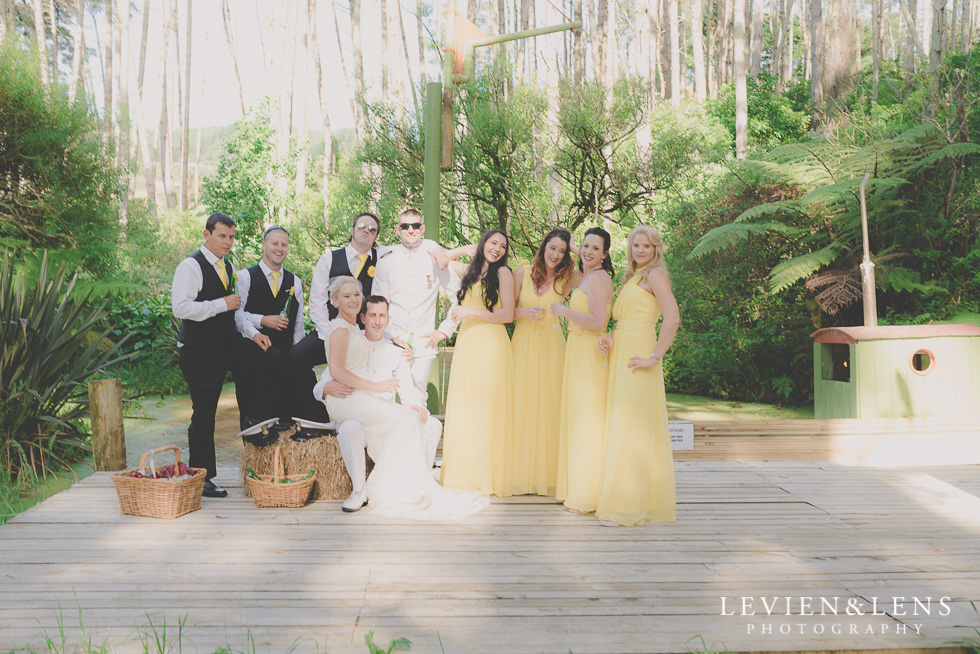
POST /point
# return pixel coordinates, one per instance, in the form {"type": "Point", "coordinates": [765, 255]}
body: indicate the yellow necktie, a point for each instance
{"type": "Point", "coordinates": [220, 265]}
{"type": "Point", "coordinates": [360, 266]}
{"type": "Point", "coordinates": [275, 283]}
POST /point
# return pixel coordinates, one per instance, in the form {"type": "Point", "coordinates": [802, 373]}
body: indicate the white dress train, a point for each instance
{"type": "Point", "coordinates": [401, 484]}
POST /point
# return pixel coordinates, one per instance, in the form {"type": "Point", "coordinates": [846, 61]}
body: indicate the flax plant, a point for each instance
{"type": "Point", "coordinates": [52, 340]}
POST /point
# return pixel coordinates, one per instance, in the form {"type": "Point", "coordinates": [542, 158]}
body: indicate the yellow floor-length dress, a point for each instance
{"type": "Point", "coordinates": [478, 439]}
{"type": "Point", "coordinates": [637, 463]}
{"type": "Point", "coordinates": [583, 413]}
{"type": "Point", "coordinates": [539, 359]}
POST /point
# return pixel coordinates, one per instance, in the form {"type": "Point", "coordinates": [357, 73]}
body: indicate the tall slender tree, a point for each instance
{"type": "Point", "coordinates": [185, 124]}
{"type": "Point", "coordinates": [328, 150]}
{"type": "Point", "coordinates": [741, 93]}
{"type": "Point", "coordinates": [697, 49]}
{"type": "Point", "coordinates": [76, 84]}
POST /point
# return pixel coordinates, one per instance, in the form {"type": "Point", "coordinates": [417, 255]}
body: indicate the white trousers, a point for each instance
{"type": "Point", "coordinates": [353, 442]}
{"type": "Point", "coordinates": [421, 367]}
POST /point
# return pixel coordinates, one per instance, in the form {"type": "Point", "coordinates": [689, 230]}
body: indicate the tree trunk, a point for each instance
{"type": "Point", "coordinates": [857, 34]}
{"type": "Point", "coordinates": [41, 31]}
{"type": "Point", "coordinates": [875, 47]}
{"type": "Point", "coordinates": [230, 42]}
{"type": "Point", "coordinates": [412, 78]}
{"type": "Point", "coordinates": [937, 52]}
{"type": "Point", "coordinates": [741, 93]}
{"type": "Point", "coordinates": [601, 39]}
{"type": "Point", "coordinates": [328, 151]}
{"type": "Point", "coordinates": [612, 41]}
{"type": "Point", "coordinates": [355, 24]}
{"type": "Point", "coordinates": [758, 17]}
{"type": "Point", "coordinates": [385, 58]}
{"type": "Point", "coordinates": [185, 126]}
{"type": "Point", "coordinates": [107, 75]}
{"type": "Point", "coordinates": [787, 71]}
{"type": "Point", "coordinates": [697, 46]}
{"type": "Point", "coordinates": [122, 106]}
{"type": "Point", "coordinates": [303, 156]}
{"type": "Point", "coordinates": [579, 44]}
{"type": "Point", "coordinates": [642, 37]}
{"type": "Point", "coordinates": [816, 65]}
{"type": "Point", "coordinates": [53, 13]}
{"type": "Point", "coordinates": [675, 52]}
{"type": "Point", "coordinates": [778, 37]}
{"type": "Point", "coordinates": [722, 50]}
{"type": "Point", "coordinates": [712, 65]}
{"type": "Point", "coordinates": [77, 83]}
{"type": "Point", "coordinates": [166, 147]}
{"type": "Point", "coordinates": [343, 64]}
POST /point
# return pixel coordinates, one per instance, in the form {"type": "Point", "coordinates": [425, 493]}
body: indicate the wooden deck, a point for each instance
{"type": "Point", "coordinates": [523, 576]}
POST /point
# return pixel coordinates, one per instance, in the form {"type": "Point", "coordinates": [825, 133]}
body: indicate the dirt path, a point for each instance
{"type": "Point", "coordinates": [164, 422]}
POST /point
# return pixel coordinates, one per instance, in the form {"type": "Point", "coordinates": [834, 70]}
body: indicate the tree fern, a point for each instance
{"type": "Point", "coordinates": [789, 271]}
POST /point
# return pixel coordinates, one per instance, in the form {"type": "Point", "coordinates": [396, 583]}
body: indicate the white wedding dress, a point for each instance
{"type": "Point", "coordinates": [401, 484]}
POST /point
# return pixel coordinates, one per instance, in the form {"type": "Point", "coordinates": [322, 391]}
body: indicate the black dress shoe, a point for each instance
{"type": "Point", "coordinates": [213, 490]}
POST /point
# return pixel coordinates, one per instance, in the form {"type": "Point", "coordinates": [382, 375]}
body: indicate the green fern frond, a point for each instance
{"type": "Point", "coordinates": [783, 207]}
{"type": "Point", "coordinates": [790, 271]}
{"type": "Point", "coordinates": [721, 237]}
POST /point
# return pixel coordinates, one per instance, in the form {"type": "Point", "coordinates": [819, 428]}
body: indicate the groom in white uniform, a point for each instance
{"type": "Point", "coordinates": [410, 279]}
{"type": "Point", "coordinates": [384, 361]}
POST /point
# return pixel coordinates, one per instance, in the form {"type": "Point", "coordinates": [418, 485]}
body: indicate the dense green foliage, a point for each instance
{"type": "Point", "coordinates": [58, 183]}
{"type": "Point", "coordinates": [52, 340]}
{"type": "Point", "coordinates": [247, 184]}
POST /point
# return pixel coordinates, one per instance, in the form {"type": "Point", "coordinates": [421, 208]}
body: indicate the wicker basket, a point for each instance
{"type": "Point", "coordinates": [159, 498]}
{"type": "Point", "coordinates": [268, 492]}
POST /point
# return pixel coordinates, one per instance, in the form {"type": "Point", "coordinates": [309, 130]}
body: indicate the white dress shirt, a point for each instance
{"type": "Point", "coordinates": [320, 284]}
{"type": "Point", "coordinates": [248, 323]}
{"type": "Point", "coordinates": [188, 282]}
{"type": "Point", "coordinates": [385, 360]}
{"type": "Point", "coordinates": [411, 280]}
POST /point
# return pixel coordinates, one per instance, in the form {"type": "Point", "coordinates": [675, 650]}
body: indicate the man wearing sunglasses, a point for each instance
{"type": "Point", "coordinates": [411, 280]}
{"type": "Point", "coordinates": [357, 259]}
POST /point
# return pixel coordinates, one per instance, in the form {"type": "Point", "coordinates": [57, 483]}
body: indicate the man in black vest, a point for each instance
{"type": "Point", "coordinates": [272, 304]}
{"type": "Point", "coordinates": [357, 259]}
{"type": "Point", "coordinates": [204, 298]}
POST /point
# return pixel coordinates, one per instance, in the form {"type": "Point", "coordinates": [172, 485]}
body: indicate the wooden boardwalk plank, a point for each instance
{"type": "Point", "coordinates": [523, 576]}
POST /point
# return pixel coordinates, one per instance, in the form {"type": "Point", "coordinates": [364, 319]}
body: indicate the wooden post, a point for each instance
{"type": "Point", "coordinates": [108, 434]}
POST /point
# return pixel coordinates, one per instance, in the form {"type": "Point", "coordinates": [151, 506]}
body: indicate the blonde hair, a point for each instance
{"type": "Point", "coordinates": [338, 282]}
{"type": "Point", "coordinates": [658, 252]}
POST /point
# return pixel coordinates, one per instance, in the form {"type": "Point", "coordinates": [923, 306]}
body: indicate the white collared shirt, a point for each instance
{"type": "Point", "coordinates": [248, 323]}
{"type": "Point", "coordinates": [320, 284]}
{"type": "Point", "coordinates": [188, 282]}
{"type": "Point", "coordinates": [411, 280]}
{"type": "Point", "coordinates": [385, 360]}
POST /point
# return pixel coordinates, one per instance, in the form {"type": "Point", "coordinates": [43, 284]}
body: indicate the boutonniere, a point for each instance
{"type": "Point", "coordinates": [292, 290]}
{"type": "Point", "coordinates": [370, 271]}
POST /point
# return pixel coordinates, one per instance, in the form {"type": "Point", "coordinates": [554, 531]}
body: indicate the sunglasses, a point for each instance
{"type": "Point", "coordinates": [370, 228]}
{"type": "Point", "coordinates": [415, 226]}
{"type": "Point", "coordinates": [273, 228]}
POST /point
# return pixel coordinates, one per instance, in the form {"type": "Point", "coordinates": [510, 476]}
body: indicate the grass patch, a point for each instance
{"type": "Point", "coordinates": [18, 496]}
{"type": "Point", "coordinates": [696, 407]}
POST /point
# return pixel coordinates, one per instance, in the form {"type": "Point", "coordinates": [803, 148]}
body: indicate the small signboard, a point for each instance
{"type": "Point", "coordinates": [681, 434]}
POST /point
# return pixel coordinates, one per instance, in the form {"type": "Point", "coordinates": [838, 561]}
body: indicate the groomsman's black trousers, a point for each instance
{"type": "Point", "coordinates": [263, 385]}
{"type": "Point", "coordinates": [303, 356]}
{"type": "Point", "coordinates": [204, 369]}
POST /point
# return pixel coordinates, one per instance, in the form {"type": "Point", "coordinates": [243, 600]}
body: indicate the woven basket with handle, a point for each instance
{"type": "Point", "coordinates": [280, 489]}
{"type": "Point", "coordinates": [159, 498]}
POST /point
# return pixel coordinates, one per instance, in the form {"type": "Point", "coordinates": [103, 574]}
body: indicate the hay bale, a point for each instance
{"type": "Point", "coordinates": [321, 454]}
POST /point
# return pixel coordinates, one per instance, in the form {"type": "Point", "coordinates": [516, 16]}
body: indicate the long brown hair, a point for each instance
{"type": "Point", "coordinates": [563, 271]}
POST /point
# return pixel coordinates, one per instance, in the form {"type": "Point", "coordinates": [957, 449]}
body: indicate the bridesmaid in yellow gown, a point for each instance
{"type": "Point", "coordinates": [637, 464]}
{"type": "Point", "coordinates": [583, 389]}
{"type": "Point", "coordinates": [539, 358]}
{"type": "Point", "coordinates": [478, 446]}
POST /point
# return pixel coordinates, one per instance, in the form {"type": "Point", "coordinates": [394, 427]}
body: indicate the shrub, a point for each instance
{"type": "Point", "coordinates": [49, 347]}
{"type": "Point", "coordinates": [57, 187]}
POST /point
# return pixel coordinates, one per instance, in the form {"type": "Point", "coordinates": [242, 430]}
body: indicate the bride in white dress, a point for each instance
{"type": "Point", "coordinates": [401, 484]}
